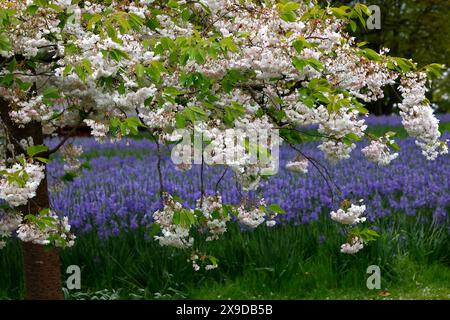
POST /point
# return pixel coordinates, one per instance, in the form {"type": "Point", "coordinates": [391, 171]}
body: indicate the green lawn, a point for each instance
{"type": "Point", "coordinates": [287, 262]}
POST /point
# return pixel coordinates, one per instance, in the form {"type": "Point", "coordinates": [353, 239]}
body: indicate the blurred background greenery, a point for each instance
{"type": "Point", "coordinates": [416, 29]}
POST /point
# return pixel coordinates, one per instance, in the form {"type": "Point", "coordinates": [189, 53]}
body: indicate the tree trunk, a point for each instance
{"type": "Point", "coordinates": [41, 265]}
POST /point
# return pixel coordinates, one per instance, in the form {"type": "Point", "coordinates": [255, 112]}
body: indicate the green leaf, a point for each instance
{"type": "Point", "coordinates": [172, 91]}
{"type": "Point", "coordinates": [180, 121]}
{"type": "Point", "coordinates": [31, 9]}
{"type": "Point", "coordinates": [371, 54]}
{"type": "Point", "coordinates": [198, 110]}
{"type": "Point", "coordinates": [289, 16]}
{"type": "Point", "coordinates": [291, 136]}
{"type": "Point", "coordinates": [7, 79]}
{"type": "Point", "coordinates": [173, 4]}
{"type": "Point", "coordinates": [5, 43]}
{"type": "Point", "coordinates": [12, 65]}
{"type": "Point", "coordinates": [316, 64]}
{"type": "Point", "coordinates": [390, 133]}
{"type": "Point", "coordinates": [86, 165]}
{"type": "Point", "coordinates": [340, 12]}
{"type": "Point", "coordinates": [276, 208]}
{"type": "Point", "coordinates": [228, 44]}
{"type": "Point", "coordinates": [135, 21]}
{"type": "Point", "coordinates": [362, 110]}
{"type": "Point", "coordinates": [35, 150]}
{"type": "Point", "coordinates": [23, 85]}
{"type": "Point", "coordinates": [93, 21]}
{"type": "Point", "coordinates": [213, 260]}
{"type": "Point", "coordinates": [43, 160]}
{"type": "Point", "coordinates": [287, 11]}
{"type": "Point", "coordinates": [154, 229]}
{"type": "Point", "coordinates": [405, 65]}
{"type": "Point", "coordinates": [362, 44]}
{"type": "Point", "coordinates": [435, 69]}
{"type": "Point", "coordinates": [198, 54]}
{"type": "Point", "coordinates": [68, 176]}
{"type": "Point", "coordinates": [231, 79]}
{"type": "Point", "coordinates": [353, 136]}
{"type": "Point", "coordinates": [298, 63]}
{"type": "Point", "coordinates": [394, 146]}
{"type": "Point", "coordinates": [87, 65]}
{"type": "Point", "coordinates": [300, 43]}
{"type": "Point", "coordinates": [118, 54]}
{"type": "Point", "coordinates": [353, 25]}
{"type": "Point", "coordinates": [140, 70]}
{"type": "Point", "coordinates": [291, 6]}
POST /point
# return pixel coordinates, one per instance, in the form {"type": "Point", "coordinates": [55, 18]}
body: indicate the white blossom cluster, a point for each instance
{"type": "Point", "coordinates": [197, 259]}
{"type": "Point", "coordinates": [378, 151]}
{"type": "Point", "coordinates": [216, 219]}
{"type": "Point", "coordinates": [255, 215]}
{"type": "Point", "coordinates": [334, 127]}
{"type": "Point", "coordinates": [418, 118]}
{"type": "Point", "coordinates": [30, 110]}
{"type": "Point", "coordinates": [56, 231]}
{"type": "Point", "coordinates": [71, 156]}
{"type": "Point", "coordinates": [363, 78]}
{"type": "Point", "coordinates": [351, 215]}
{"type": "Point", "coordinates": [172, 234]}
{"type": "Point", "coordinates": [19, 183]}
{"type": "Point", "coordinates": [356, 244]}
{"type": "Point", "coordinates": [99, 130]}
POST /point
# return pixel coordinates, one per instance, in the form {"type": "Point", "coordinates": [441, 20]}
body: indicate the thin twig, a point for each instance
{"type": "Point", "coordinates": [63, 141]}
{"type": "Point", "coordinates": [161, 183]}
{"type": "Point", "coordinates": [220, 180]}
{"type": "Point", "coordinates": [202, 184]}
{"type": "Point", "coordinates": [326, 176]}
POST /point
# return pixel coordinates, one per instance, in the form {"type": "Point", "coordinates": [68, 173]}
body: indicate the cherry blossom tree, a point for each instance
{"type": "Point", "coordinates": [207, 65]}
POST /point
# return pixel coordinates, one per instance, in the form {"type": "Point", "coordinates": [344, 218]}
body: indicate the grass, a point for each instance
{"type": "Point", "coordinates": [287, 262]}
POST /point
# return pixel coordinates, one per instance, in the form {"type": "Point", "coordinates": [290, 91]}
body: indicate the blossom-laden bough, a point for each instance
{"type": "Point", "coordinates": [121, 66]}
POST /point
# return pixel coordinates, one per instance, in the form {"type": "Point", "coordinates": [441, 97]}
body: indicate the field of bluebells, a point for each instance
{"type": "Point", "coordinates": [110, 208]}
{"type": "Point", "coordinates": [121, 192]}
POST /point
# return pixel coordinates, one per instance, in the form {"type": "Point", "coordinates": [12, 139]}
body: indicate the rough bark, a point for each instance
{"type": "Point", "coordinates": [41, 265]}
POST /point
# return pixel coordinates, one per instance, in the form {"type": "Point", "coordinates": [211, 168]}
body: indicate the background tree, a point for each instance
{"type": "Point", "coordinates": [414, 29]}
